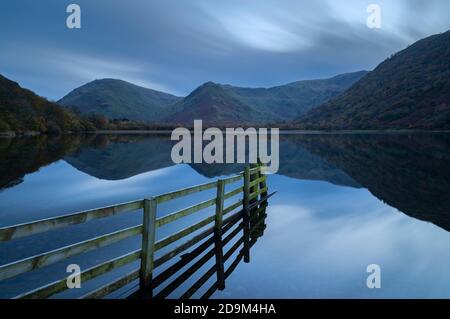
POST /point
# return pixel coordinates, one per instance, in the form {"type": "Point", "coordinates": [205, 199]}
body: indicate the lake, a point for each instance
{"type": "Point", "coordinates": [343, 202]}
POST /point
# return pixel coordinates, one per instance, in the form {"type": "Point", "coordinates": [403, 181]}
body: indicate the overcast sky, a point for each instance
{"type": "Point", "coordinates": [176, 45]}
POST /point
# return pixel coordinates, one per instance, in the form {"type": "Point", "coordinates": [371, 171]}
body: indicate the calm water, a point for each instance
{"type": "Point", "coordinates": [343, 202]}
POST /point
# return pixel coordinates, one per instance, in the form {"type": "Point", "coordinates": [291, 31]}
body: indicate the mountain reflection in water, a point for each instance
{"type": "Point", "coordinates": [410, 172]}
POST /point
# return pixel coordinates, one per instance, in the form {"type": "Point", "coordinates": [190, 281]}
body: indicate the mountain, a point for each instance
{"type": "Point", "coordinates": [410, 90]}
{"type": "Point", "coordinates": [213, 104]}
{"type": "Point", "coordinates": [221, 104]}
{"type": "Point", "coordinates": [117, 99]}
{"type": "Point", "coordinates": [21, 110]}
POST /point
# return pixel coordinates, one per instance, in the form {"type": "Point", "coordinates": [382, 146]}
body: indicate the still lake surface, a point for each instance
{"type": "Point", "coordinates": [343, 202]}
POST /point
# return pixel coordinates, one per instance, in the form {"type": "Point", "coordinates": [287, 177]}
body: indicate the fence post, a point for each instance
{"type": "Point", "coordinates": [148, 247]}
{"type": "Point", "coordinates": [254, 210]}
{"type": "Point", "coordinates": [245, 214]}
{"type": "Point", "coordinates": [262, 184]}
{"type": "Point", "coordinates": [263, 205]}
{"type": "Point", "coordinates": [218, 235]}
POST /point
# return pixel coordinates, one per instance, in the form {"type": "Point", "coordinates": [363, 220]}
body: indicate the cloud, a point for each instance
{"type": "Point", "coordinates": [260, 33]}
{"type": "Point", "coordinates": [88, 68]}
{"type": "Point", "coordinates": [176, 45]}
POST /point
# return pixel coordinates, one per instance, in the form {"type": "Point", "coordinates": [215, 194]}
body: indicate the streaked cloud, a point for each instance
{"type": "Point", "coordinates": [86, 68]}
{"type": "Point", "coordinates": [176, 45]}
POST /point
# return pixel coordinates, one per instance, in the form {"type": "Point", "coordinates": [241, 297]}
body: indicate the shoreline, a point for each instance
{"type": "Point", "coordinates": [12, 134]}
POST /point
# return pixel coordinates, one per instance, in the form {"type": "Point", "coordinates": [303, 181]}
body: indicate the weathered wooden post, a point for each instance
{"type": "Point", "coordinates": [263, 205]}
{"type": "Point", "coordinates": [218, 235]}
{"type": "Point", "coordinates": [253, 189]}
{"type": "Point", "coordinates": [148, 247]}
{"type": "Point", "coordinates": [263, 183]}
{"type": "Point", "coordinates": [246, 214]}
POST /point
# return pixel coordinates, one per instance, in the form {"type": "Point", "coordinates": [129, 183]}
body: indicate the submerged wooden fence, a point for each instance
{"type": "Point", "coordinates": [249, 216]}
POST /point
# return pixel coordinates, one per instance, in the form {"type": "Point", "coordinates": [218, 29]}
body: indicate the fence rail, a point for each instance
{"type": "Point", "coordinates": [251, 208]}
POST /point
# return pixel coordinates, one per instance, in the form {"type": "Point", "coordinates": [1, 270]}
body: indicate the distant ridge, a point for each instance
{"type": "Point", "coordinates": [222, 104]}
{"type": "Point", "coordinates": [213, 103]}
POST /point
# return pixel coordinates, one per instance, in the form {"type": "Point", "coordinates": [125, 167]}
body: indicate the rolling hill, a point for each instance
{"type": "Point", "coordinates": [222, 104]}
{"type": "Point", "coordinates": [410, 90]}
{"type": "Point", "coordinates": [211, 102]}
{"type": "Point", "coordinates": [117, 99]}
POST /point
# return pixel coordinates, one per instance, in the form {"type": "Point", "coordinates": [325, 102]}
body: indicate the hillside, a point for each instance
{"type": "Point", "coordinates": [213, 104]}
{"type": "Point", "coordinates": [21, 110]}
{"type": "Point", "coordinates": [117, 99]}
{"type": "Point", "coordinates": [410, 90]}
{"type": "Point", "coordinates": [222, 104]}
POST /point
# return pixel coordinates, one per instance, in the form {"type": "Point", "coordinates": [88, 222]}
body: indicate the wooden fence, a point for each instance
{"type": "Point", "coordinates": [249, 217]}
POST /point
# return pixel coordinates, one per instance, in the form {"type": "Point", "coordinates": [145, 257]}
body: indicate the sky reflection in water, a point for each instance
{"type": "Point", "coordinates": [320, 235]}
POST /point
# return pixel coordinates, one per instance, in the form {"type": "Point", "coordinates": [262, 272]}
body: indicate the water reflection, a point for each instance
{"type": "Point", "coordinates": [115, 157]}
{"type": "Point", "coordinates": [21, 156]}
{"type": "Point", "coordinates": [336, 210]}
{"type": "Point", "coordinates": [410, 172]}
{"type": "Point", "coordinates": [232, 242]}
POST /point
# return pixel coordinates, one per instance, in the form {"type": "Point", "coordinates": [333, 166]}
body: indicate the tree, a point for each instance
{"type": "Point", "coordinates": [4, 126]}
{"type": "Point", "coordinates": [100, 121]}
